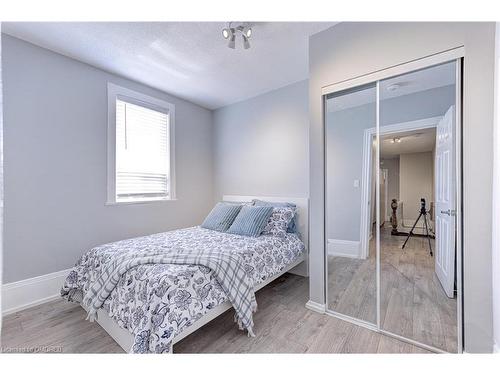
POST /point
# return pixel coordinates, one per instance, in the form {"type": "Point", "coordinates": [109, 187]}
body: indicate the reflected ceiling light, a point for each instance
{"type": "Point", "coordinates": [230, 31]}
{"type": "Point", "coordinates": [397, 85]}
{"type": "Point", "coordinates": [393, 87]}
{"type": "Point", "coordinates": [232, 43]}
{"type": "Point", "coordinates": [226, 33]}
{"type": "Point", "coordinates": [247, 32]}
{"type": "Point", "coordinates": [396, 140]}
{"type": "Point", "coordinates": [246, 43]}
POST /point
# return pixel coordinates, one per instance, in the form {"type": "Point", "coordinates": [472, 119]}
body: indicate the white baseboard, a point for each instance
{"type": "Point", "coordinates": [343, 248]}
{"type": "Point", "coordinates": [408, 223]}
{"type": "Point", "coordinates": [315, 306]}
{"type": "Point", "coordinates": [22, 294]}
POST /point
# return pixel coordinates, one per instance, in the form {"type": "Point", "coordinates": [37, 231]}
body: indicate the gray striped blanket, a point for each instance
{"type": "Point", "coordinates": [228, 269]}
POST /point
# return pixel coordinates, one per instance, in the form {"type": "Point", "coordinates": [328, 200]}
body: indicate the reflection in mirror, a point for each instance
{"type": "Point", "coordinates": [417, 197]}
{"type": "Point", "coordinates": [351, 266]}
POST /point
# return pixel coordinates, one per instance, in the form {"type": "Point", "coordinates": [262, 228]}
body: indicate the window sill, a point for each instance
{"type": "Point", "coordinates": [145, 201]}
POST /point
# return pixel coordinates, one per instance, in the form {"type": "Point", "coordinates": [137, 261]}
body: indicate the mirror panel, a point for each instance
{"type": "Point", "coordinates": [351, 266]}
{"type": "Point", "coordinates": [417, 194]}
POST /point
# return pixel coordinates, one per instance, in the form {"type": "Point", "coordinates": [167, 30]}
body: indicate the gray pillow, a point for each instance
{"type": "Point", "coordinates": [221, 217]}
{"type": "Point", "coordinates": [292, 226]}
{"type": "Point", "coordinates": [251, 221]}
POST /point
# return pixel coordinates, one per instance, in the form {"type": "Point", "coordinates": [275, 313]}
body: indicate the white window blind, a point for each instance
{"type": "Point", "coordinates": [142, 155]}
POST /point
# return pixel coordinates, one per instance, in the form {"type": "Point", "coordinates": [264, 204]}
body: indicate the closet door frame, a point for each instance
{"type": "Point", "coordinates": [457, 55]}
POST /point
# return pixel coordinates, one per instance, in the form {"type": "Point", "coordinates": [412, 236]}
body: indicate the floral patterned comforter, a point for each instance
{"type": "Point", "coordinates": [155, 302]}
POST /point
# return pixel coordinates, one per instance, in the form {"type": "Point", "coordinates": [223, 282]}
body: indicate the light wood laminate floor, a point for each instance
{"type": "Point", "coordinates": [282, 325]}
{"type": "Point", "coordinates": [413, 303]}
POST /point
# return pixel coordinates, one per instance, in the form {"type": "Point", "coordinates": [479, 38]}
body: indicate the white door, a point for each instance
{"type": "Point", "coordinates": [445, 202]}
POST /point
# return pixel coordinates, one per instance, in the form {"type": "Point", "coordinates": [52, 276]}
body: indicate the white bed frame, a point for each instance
{"type": "Point", "coordinates": [299, 267]}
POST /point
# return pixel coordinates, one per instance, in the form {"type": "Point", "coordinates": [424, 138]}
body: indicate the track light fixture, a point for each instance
{"type": "Point", "coordinates": [231, 30]}
{"type": "Point", "coordinates": [246, 43]}
{"type": "Point", "coordinates": [232, 43]}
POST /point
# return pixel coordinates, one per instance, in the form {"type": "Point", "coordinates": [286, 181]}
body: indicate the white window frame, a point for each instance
{"type": "Point", "coordinates": [115, 92]}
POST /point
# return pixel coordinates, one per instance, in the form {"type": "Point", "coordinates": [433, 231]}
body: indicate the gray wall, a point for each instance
{"type": "Point", "coordinates": [420, 105]}
{"type": "Point", "coordinates": [261, 144]}
{"type": "Point", "coordinates": [392, 166]}
{"type": "Point", "coordinates": [351, 50]}
{"type": "Point", "coordinates": [345, 132]}
{"type": "Point", "coordinates": [416, 180]}
{"type": "Point", "coordinates": [55, 112]}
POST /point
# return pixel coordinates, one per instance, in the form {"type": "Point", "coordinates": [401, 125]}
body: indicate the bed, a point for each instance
{"type": "Point", "coordinates": [153, 306]}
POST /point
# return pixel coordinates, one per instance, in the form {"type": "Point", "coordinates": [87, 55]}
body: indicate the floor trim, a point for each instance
{"type": "Point", "coordinates": [352, 320]}
{"type": "Point", "coordinates": [20, 295]}
{"type": "Point", "coordinates": [413, 342]}
{"type": "Point", "coordinates": [374, 328]}
{"type": "Point", "coordinates": [315, 306]}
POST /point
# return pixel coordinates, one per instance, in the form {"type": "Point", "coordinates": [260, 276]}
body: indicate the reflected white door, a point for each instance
{"type": "Point", "coordinates": [383, 195]}
{"type": "Point", "coordinates": [445, 202]}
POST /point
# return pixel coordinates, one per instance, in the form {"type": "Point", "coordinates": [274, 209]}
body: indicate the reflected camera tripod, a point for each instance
{"type": "Point", "coordinates": [423, 212]}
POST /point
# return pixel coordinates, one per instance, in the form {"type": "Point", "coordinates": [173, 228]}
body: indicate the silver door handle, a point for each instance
{"type": "Point", "coordinates": [449, 212]}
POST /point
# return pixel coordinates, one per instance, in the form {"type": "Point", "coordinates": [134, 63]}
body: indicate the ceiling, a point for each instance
{"type": "Point", "coordinates": [423, 140]}
{"type": "Point", "coordinates": [190, 60]}
{"type": "Point", "coordinates": [426, 79]}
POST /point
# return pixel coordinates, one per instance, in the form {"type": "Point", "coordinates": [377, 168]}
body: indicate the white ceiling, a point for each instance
{"type": "Point", "coordinates": [188, 59]}
{"type": "Point", "coordinates": [426, 79]}
{"type": "Point", "coordinates": [423, 140]}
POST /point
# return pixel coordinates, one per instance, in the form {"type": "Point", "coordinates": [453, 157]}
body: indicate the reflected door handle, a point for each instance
{"type": "Point", "coordinates": [449, 212]}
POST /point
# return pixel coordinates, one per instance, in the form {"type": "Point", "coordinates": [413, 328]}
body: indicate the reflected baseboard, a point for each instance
{"type": "Point", "coordinates": [343, 248]}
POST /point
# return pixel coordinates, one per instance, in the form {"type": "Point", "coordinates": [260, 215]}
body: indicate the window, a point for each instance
{"type": "Point", "coordinates": [140, 144]}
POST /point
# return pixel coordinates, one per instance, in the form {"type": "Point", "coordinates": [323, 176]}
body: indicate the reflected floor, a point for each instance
{"type": "Point", "coordinates": [413, 303]}
{"type": "Point", "coordinates": [352, 287]}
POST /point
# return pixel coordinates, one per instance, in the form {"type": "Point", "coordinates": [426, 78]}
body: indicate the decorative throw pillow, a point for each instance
{"type": "Point", "coordinates": [292, 227]}
{"type": "Point", "coordinates": [221, 217]}
{"type": "Point", "coordinates": [279, 220]}
{"type": "Point", "coordinates": [250, 221]}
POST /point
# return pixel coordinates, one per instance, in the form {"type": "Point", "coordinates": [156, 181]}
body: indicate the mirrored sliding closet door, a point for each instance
{"type": "Point", "coordinates": [351, 274]}
{"type": "Point", "coordinates": [417, 221]}
{"type": "Point", "coordinates": [392, 205]}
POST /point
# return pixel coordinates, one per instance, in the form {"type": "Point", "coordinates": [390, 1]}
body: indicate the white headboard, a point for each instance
{"type": "Point", "coordinates": [302, 210]}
